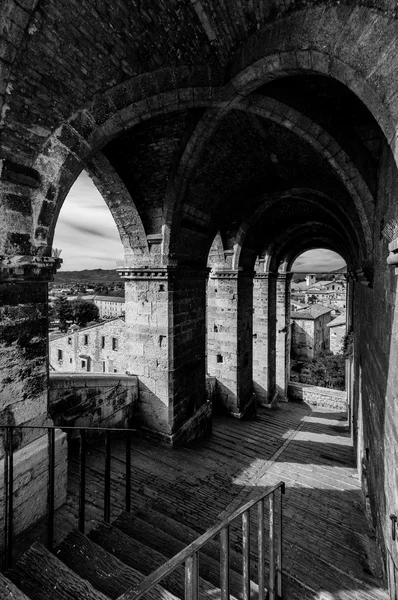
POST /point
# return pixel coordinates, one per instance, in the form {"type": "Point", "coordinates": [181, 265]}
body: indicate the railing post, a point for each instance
{"type": "Point", "coordinates": [261, 551]}
{"type": "Point", "coordinates": [192, 577]}
{"type": "Point", "coordinates": [107, 486]}
{"type": "Point", "coordinates": [271, 593]}
{"type": "Point", "coordinates": [246, 554]}
{"type": "Point", "coordinates": [51, 487]}
{"type": "Point", "coordinates": [128, 471]}
{"type": "Point", "coordinates": [8, 496]}
{"type": "Point", "coordinates": [224, 563]}
{"type": "Point", "coordinates": [279, 558]}
{"type": "Point", "coordinates": [82, 480]}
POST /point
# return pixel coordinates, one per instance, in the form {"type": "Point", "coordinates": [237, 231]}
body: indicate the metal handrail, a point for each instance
{"type": "Point", "coordinates": [190, 554]}
{"type": "Point", "coordinates": [8, 431]}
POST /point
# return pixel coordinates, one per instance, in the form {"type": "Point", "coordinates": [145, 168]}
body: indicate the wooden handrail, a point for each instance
{"type": "Point", "coordinates": [193, 548]}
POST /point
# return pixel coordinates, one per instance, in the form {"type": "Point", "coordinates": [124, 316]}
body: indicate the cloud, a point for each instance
{"type": "Point", "coordinates": [320, 260]}
{"type": "Point", "coordinates": [86, 231]}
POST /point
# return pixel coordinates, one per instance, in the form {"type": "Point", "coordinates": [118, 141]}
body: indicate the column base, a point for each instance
{"type": "Point", "coordinates": [273, 403]}
{"type": "Point", "coordinates": [196, 427]}
{"type": "Point", "coordinates": [31, 478]}
{"type": "Point", "coordinates": [249, 409]}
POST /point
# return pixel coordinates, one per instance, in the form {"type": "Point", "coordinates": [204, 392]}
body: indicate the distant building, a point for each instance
{"type": "Point", "coordinates": [309, 332]}
{"type": "Point", "coordinates": [337, 329]}
{"type": "Point", "coordinates": [110, 306]}
{"type": "Point", "coordinates": [100, 348]}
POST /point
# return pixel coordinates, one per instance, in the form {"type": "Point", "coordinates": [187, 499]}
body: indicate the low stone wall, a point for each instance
{"type": "Point", "coordinates": [30, 470]}
{"type": "Point", "coordinates": [93, 400]}
{"type": "Point", "coordinates": [317, 396]}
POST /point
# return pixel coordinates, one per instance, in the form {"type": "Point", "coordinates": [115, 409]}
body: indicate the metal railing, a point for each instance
{"type": "Point", "coordinates": [8, 432]}
{"type": "Point", "coordinates": [189, 556]}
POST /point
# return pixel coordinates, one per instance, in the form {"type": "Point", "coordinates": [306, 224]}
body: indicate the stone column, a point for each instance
{"type": "Point", "coordinates": [229, 339]}
{"type": "Point", "coordinates": [24, 385]}
{"type": "Point", "coordinates": [282, 333]}
{"type": "Point", "coordinates": [165, 314]}
{"type": "Point", "coordinates": [264, 337]}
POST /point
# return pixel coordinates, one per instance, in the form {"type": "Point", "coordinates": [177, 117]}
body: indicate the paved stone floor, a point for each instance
{"type": "Point", "coordinates": [329, 551]}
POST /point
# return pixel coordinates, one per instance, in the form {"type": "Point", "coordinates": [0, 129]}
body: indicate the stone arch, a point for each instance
{"type": "Point", "coordinates": [74, 144]}
{"type": "Point", "coordinates": [310, 197]}
{"type": "Point", "coordinates": [331, 40]}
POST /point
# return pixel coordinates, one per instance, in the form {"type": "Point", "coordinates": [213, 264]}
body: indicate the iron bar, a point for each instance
{"type": "Point", "coordinates": [50, 489]}
{"type": "Point", "coordinates": [82, 479]}
{"type": "Point", "coordinates": [10, 497]}
{"type": "Point", "coordinates": [224, 563]}
{"type": "Point", "coordinates": [280, 549]}
{"type": "Point", "coordinates": [192, 577]}
{"type": "Point", "coordinates": [4, 557]}
{"type": "Point", "coordinates": [128, 471]}
{"type": "Point", "coordinates": [271, 591]}
{"type": "Point", "coordinates": [246, 554]}
{"type": "Point", "coordinates": [261, 551]}
{"type": "Point", "coordinates": [107, 481]}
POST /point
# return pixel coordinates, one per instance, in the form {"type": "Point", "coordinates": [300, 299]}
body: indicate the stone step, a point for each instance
{"type": "Point", "coordinates": [9, 591]}
{"type": "Point", "coordinates": [164, 542]}
{"type": "Point", "coordinates": [42, 576]}
{"type": "Point", "coordinates": [104, 571]}
{"type": "Point", "coordinates": [139, 556]}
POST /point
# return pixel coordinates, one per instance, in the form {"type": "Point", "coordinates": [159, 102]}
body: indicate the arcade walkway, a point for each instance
{"type": "Point", "coordinates": [329, 552]}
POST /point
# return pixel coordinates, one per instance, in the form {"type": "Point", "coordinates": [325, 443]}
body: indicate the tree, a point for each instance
{"type": "Point", "coordinates": [63, 312]}
{"type": "Point", "coordinates": [84, 311]}
{"type": "Point", "coordinates": [326, 370]}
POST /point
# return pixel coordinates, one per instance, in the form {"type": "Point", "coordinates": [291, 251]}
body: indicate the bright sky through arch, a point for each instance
{"type": "Point", "coordinates": [319, 260]}
{"type": "Point", "coordinates": [86, 231]}
{"type": "Point", "coordinates": [88, 237]}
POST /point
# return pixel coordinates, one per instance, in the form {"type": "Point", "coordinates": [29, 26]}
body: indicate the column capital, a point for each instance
{"type": "Point", "coordinates": [223, 274]}
{"type": "Point", "coordinates": [265, 275]}
{"type": "Point", "coordinates": [160, 273]}
{"type": "Point", "coordinates": [22, 268]}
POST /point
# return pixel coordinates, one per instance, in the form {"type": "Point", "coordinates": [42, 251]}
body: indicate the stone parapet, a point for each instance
{"type": "Point", "coordinates": [317, 396]}
{"type": "Point", "coordinates": [93, 400]}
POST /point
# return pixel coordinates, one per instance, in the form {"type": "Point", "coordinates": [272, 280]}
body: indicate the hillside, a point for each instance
{"type": "Point", "coordinates": [87, 275]}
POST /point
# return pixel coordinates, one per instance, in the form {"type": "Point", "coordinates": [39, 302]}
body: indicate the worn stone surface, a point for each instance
{"type": "Point", "coordinates": [317, 396]}
{"type": "Point", "coordinates": [88, 400]}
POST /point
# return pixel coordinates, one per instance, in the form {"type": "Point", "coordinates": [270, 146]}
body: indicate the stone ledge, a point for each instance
{"type": "Point", "coordinates": [317, 396]}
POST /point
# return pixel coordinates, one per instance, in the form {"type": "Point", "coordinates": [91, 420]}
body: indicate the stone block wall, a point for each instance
{"type": "Point", "coordinates": [229, 339]}
{"type": "Point", "coordinates": [93, 400]}
{"type": "Point", "coordinates": [30, 481]}
{"type": "Point", "coordinates": [264, 337]}
{"type": "Point", "coordinates": [318, 396]}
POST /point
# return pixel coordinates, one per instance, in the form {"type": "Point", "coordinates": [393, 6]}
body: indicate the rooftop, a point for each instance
{"type": "Point", "coordinates": [313, 311]}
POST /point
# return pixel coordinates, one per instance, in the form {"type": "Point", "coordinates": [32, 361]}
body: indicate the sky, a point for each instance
{"type": "Point", "coordinates": [88, 237]}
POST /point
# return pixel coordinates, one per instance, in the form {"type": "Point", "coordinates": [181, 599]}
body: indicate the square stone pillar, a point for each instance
{"type": "Point", "coordinates": [24, 387]}
{"type": "Point", "coordinates": [282, 333]}
{"type": "Point", "coordinates": [264, 337]}
{"type": "Point", "coordinates": [165, 312]}
{"type": "Point", "coordinates": [229, 339]}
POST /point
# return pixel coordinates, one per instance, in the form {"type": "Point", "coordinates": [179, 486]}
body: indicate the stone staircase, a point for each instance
{"type": "Point", "coordinates": [112, 559]}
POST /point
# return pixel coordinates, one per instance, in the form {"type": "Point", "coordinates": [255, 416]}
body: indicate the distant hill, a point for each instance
{"type": "Point", "coordinates": [100, 275]}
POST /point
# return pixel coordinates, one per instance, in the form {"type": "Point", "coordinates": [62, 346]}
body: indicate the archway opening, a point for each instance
{"type": "Point", "coordinates": [87, 292]}
{"type": "Point", "coordinates": [318, 319]}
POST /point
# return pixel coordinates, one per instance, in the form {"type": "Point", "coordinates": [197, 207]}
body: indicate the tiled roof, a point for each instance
{"type": "Point", "coordinates": [340, 320]}
{"type": "Point", "coordinates": [312, 312]}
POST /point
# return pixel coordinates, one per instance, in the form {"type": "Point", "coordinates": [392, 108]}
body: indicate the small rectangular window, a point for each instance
{"type": "Point", "coordinates": [83, 364]}
{"type": "Point", "coordinates": [85, 340]}
{"type": "Point", "coordinates": [103, 366]}
{"type": "Point", "coordinates": [59, 354]}
{"type": "Point", "coordinates": [114, 343]}
{"type": "Point", "coordinates": [70, 360]}
{"type": "Point", "coordinates": [103, 341]}
{"type": "Point", "coordinates": [69, 340]}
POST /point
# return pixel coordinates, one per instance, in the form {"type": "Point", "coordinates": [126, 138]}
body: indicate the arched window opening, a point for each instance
{"type": "Point", "coordinates": [318, 319]}
{"type": "Point", "coordinates": [87, 294]}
